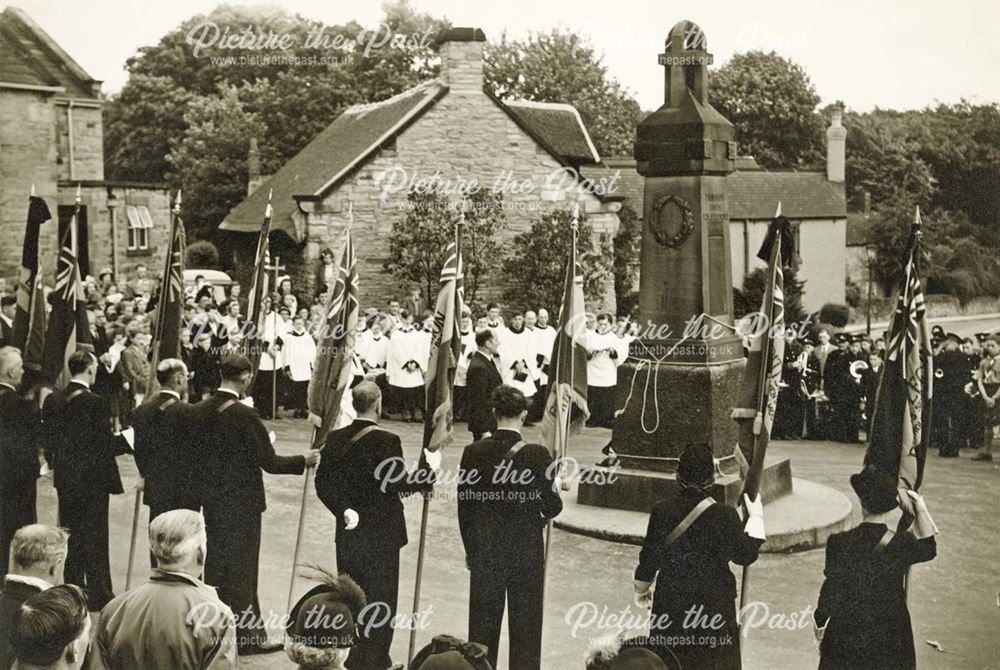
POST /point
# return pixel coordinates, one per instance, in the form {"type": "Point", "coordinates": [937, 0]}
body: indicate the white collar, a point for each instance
{"type": "Point", "coordinates": [8, 386]}
{"type": "Point", "coordinates": [37, 582]}
{"type": "Point", "coordinates": [173, 393]}
{"type": "Point", "coordinates": [231, 392]}
{"type": "Point", "coordinates": [81, 383]}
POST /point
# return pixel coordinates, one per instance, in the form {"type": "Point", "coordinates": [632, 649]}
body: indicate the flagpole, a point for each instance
{"type": "Point", "coordinates": [426, 504]}
{"type": "Point", "coordinates": [310, 470]}
{"type": "Point", "coordinates": [752, 483]}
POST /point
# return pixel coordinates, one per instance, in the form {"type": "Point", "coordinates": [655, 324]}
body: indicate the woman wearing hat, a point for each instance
{"type": "Point", "coordinates": [450, 653]}
{"type": "Point", "coordinates": [690, 542]}
{"type": "Point", "coordinates": [322, 626]}
{"type": "Point", "coordinates": [862, 620]}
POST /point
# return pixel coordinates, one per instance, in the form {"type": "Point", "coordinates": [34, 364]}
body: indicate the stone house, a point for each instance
{"type": "Point", "coordinates": [51, 137]}
{"type": "Point", "coordinates": [449, 129]}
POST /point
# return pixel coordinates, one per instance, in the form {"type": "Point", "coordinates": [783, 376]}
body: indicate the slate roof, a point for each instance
{"type": "Point", "coordinates": [29, 57]}
{"type": "Point", "coordinates": [561, 127]}
{"type": "Point", "coordinates": [353, 137]}
{"type": "Point", "coordinates": [803, 195]}
{"type": "Point", "coordinates": [359, 132]}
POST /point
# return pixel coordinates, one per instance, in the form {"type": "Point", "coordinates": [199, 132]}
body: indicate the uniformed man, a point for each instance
{"type": "Point", "coordinates": [362, 481]}
{"type": "Point", "coordinates": [690, 542]}
{"type": "Point", "coordinates": [81, 448]}
{"type": "Point", "coordinates": [19, 421]}
{"type": "Point", "coordinates": [232, 495]}
{"type": "Point", "coordinates": [843, 390]}
{"type": "Point", "coordinates": [162, 446]}
{"type": "Point", "coordinates": [952, 372]}
{"type": "Point", "coordinates": [506, 493]}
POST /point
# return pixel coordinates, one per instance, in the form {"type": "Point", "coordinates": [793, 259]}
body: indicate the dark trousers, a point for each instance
{"type": "Point", "coordinates": [459, 401]}
{"type": "Point", "coordinates": [17, 509]}
{"type": "Point", "coordinates": [521, 587]}
{"type": "Point", "coordinates": [231, 567]}
{"type": "Point", "coordinates": [601, 400]}
{"type": "Point", "coordinates": [264, 398]}
{"type": "Point", "coordinates": [537, 408]}
{"type": "Point", "coordinates": [375, 567]}
{"type": "Point", "coordinates": [87, 563]}
{"type": "Point", "coordinates": [949, 423]}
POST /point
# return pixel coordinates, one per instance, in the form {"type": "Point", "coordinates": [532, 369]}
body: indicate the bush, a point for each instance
{"type": "Point", "coordinates": [748, 299]}
{"type": "Point", "coordinates": [202, 254]}
{"type": "Point", "coordinates": [835, 315]}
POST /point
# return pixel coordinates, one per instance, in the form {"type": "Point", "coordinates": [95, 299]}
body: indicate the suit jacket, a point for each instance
{"type": "Point", "coordinates": [233, 447]}
{"type": "Point", "coordinates": [414, 307]}
{"type": "Point", "coordinates": [19, 424]}
{"type": "Point", "coordinates": [349, 477]}
{"type": "Point", "coordinates": [79, 443]}
{"type": "Point", "coordinates": [502, 512]}
{"type": "Point", "coordinates": [6, 331]}
{"type": "Point", "coordinates": [13, 596]}
{"type": "Point", "coordinates": [480, 380]}
{"type": "Point", "coordinates": [864, 600]}
{"type": "Point", "coordinates": [135, 368]}
{"type": "Point", "coordinates": [162, 452]}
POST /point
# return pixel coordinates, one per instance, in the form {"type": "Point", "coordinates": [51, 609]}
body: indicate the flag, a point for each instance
{"type": "Point", "coordinates": [256, 314]}
{"type": "Point", "coordinates": [29, 319]}
{"type": "Point", "coordinates": [901, 418]}
{"type": "Point", "coordinates": [758, 395]}
{"type": "Point", "coordinates": [68, 328]}
{"type": "Point", "coordinates": [335, 349]}
{"type": "Point", "coordinates": [446, 348]}
{"type": "Point", "coordinates": [170, 306]}
{"type": "Point", "coordinates": [568, 363]}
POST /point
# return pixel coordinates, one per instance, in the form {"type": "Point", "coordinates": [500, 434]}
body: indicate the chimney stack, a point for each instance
{"type": "Point", "coordinates": [836, 147]}
{"type": "Point", "coordinates": [462, 60]}
{"type": "Point", "coordinates": [253, 167]}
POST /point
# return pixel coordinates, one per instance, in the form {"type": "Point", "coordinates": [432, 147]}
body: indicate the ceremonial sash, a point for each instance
{"type": "Point", "coordinates": [361, 433]}
{"type": "Point", "coordinates": [73, 395]}
{"type": "Point", "coordinates": [170, 401]}
{"type": "Point", "coordinates": [884, 541]}
{"type": "Point", "coordinates": [512, 452]}
{"type": "Point", "coordinates": [686, 522]}
{"type": "Point", "coordinates": [226, 405]}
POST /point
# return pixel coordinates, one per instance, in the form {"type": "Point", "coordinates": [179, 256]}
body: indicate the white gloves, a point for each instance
{"type": "Point", "coordinates": [433, 459]}
{"type": "Point", "coordinates": [755, 523]}
{"type": "Point", "coordinates": [914, 505]}
{"type": "Point", "coordinates": [820, 632]}
{"type": "Point", "coordinates": [643, 596]}
{"type": "Point", "coordinates": [351, 519]}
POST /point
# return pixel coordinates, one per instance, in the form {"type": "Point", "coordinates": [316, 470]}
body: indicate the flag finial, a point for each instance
{"type": "Point", "coordinates": [777, 212]}
{"type": "Point", "coordinates": [32, 194]}
{"type": "Point", "coordinates": [177, 203]}
{"type": "Point", "coordinates": [79, 194]}
{"type": "Point", "coordinates": [576, 216]}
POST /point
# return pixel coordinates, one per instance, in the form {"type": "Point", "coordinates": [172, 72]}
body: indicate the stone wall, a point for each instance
{"type": "Point", "coordinates": [463, 137]}
{"type": "Point", "coordinates": [938, 306]}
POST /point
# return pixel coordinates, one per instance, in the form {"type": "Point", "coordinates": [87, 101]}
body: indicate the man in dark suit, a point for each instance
{"type": "Point", "coordinates": [38, 552]}
{"type": "Point", "coordinates": [414, 303]}
{"type": "Point", "coordinates": [481, 378]}
{"type": "Point", "coordinates": [233, 446]}
{"type": "Point", "coordinates": [506, 493]}
{"type": "Point", "coordinates": [362, 480]}
{"type": "Point", "coordinates": [170, 480]}
{"type": "Point", "coordinates": [81, 450]}
{"type": "Point", "coordinates": [8, 306]}
{"type": "Point", "coordinates": [19, 423]}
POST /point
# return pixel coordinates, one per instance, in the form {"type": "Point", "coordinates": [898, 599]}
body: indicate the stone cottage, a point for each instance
{"type": "Point", "coordinates": [450, 130]}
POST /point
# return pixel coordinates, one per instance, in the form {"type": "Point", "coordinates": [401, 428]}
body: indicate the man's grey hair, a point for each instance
{"type": "Point", "coordinates": [38, 545]}
{"type": "Point", "coordinates": [9, 358]}
{"type": "Point", "coordinates": [176, 536]}
{"type": "Point", "coordinates": [168, 367]}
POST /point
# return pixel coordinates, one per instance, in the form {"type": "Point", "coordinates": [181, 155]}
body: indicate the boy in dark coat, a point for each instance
{"type": "Point", "coordinates": [862, 620]}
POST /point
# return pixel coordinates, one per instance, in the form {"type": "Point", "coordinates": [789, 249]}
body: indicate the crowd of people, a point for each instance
{"type": "Point", "coordinates": [829, 383]}
{"type": "Point", "coordinates": [206, 504]}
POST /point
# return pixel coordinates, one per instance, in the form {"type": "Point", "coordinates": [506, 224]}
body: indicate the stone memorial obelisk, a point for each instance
{"type": "Point", "coordinates": [681, 379]}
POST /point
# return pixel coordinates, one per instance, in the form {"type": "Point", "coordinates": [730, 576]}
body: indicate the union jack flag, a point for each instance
{"type": "Point", "coordinates": [169, 310]}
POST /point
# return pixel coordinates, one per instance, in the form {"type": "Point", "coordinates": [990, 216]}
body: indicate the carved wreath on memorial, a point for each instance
{"type": "Point", "coordinates": [672, 233]}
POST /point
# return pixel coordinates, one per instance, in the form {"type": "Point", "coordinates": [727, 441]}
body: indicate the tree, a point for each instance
{"type": "Point", "coordinates": [561, 66]}
{"type": "Point", "coordinates": [749, 299]}
{"type": "Point", "coordinates": [418, 242]}
{"type": "Point", "coordinates": [535, 271]}
{"type": "Point", "coordinates": [210, 161]}
{"type": "Point", "coordinates": [772, 103]}
{"type": "Point", "coordinates": [202, 254]}
{"type": "Point", "coordinates": [627, 244]}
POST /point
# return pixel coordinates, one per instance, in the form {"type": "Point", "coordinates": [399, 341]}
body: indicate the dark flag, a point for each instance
{"type": "Point", "coordinates": [901, 418]}
{"type": "Point", "coordinates": [758, 396]}
{"type": "Point", "coordinates": [68, 328]}
{"type": "Point", "coordinates": [446, 348]}
{"type": "Point", "coordinates": [258, 289]}
{"type": "Point", "coordinates": [568, 363]}
{"type": "Point", "coordinates": [29, 319]}
{"type": "Point", "coordinates": [335, 349]}
{"type": "Point", "coordinates": [170, 307]}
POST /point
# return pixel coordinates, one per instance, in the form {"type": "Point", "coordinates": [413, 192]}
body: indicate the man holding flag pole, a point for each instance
{"type": "Point", "coordinates": [862, 619]}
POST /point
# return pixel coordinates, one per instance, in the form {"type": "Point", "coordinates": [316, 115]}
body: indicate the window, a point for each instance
{"type": "Point", "coordinates": [139, 225]}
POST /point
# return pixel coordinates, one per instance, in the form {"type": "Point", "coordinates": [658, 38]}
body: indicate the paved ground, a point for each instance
{"type": "Point", "coordinates": [954, 599]}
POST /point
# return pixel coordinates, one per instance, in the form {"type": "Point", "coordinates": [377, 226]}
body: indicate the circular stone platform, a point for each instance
{"type": "Point", "coordinates": [801, 520]}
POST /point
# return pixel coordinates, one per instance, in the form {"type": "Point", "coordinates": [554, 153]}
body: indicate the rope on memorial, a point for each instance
{"type": "Point", "coordinates": [652, 365]}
